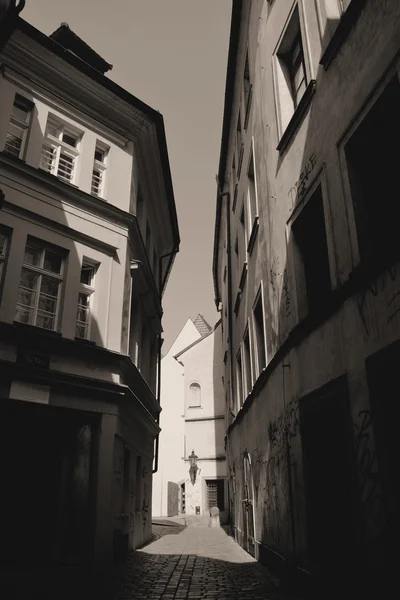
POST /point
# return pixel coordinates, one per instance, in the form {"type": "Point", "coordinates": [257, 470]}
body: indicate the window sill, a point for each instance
{"type": "Point", "coordinates": [84, 341]}
{"type": "Point", "coordinates": [297, 117]}
{"type": "Point", "coordinates": [253, 236]}
{"type": "Point", "coordinates": [341, 33]}
{"type": "Point", "coordinates": [36, 329]}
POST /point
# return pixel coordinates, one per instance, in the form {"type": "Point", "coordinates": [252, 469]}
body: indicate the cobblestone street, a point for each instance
{"type": "Point", "coordinates": [183, 563]}
{"type": "Point", "coordinates": [194, 563]}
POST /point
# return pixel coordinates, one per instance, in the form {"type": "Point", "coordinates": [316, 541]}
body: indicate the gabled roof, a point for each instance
{"type": "Point", "coordinates": [74, 44]}
{"type": "Point", "coordinates": [212, 329]}
{"type": "Point", "coordinates": [201, 325]}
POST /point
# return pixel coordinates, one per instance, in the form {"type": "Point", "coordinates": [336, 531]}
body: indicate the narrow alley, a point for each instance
{"type": "Point", "coordinates": [193, 562]}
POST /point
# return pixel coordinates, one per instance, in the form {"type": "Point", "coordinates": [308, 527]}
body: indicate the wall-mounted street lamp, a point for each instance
{"type": "Point", "coordinates": [193, 467]}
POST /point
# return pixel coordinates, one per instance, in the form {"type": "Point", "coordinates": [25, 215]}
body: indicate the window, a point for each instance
{"type": "Point", "coordinates": [239, 145]}
{"type": "Point", "coordinates": [84, 300]}
{"type": "Point", "coordinates": [60, 150]}
{"type": "Point", "coordinates": [252, 210]}
{"type": "Point", "coordinates": [215, 493]}
{"type": "Point", "coordinates": [4, 240]}
{"type": "Point", "coordinates": [259, 333]}
{"type": "Point", "coordinates": [247, 364]}
{"type": "Point", "coordinates": [235, 195]}
{"type": "Point", "coordinates": [296, 70]}
{"type": "Point", "coordinates": [99, 171]}
{"type": "Point", "coordinates": [194, 395]}
{"type": "Point", "coordinates": [239, 380]}
{"type": "Point", "coordinates": [18, 126]}
{"type": "Point", "coordinates": [310, 237]}
{"type": "Point", "coordinates": [247, 91]}
{"type": "Point", "coordinates": [344, 4]}
{"type": "Point", "coordinates": [40, 283]}
{"type": "Point", "coordinates": [373, 181]}
{"type": "Point", "coordinates": [291, 78]}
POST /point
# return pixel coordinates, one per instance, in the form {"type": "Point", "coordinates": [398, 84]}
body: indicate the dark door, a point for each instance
{"type": "Point", "coordinates": [248, 508]}
{"type": "Point", "coordinates": [383, 380]}
{"type": "Point", "coordinates": [45, 458]}
{"type": "Point", "coordinates": [330, 478]}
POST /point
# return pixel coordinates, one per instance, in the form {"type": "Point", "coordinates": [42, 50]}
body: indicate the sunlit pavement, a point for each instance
{"type": "Point", "coordinates": [193, 564]}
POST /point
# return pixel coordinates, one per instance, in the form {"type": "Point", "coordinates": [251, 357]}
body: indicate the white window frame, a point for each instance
{"type": "Point", "coordinates": [53, 163]}
{"type": "Point", "coordinates": [88, 291]}
{"type": "Point", "coordinates": [41, 271]}
{"type": "Point", "coordinates": [247, 364]}
{"type": "Point", "coordinates": [22, 125]}
{"type": "Point", "coordinates": [285, 103]}
{"type": "Point", "coordinates": [98, 188]}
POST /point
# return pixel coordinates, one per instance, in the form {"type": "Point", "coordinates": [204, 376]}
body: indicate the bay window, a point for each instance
{"type": "Point", "coordinates": [18, 126]}
{"type": "Point", "coordinates": [60, 150]}
{"type": "Point", "coordinates": [40, 285]}
{"type": "Point", "coordinates": [84, 300]}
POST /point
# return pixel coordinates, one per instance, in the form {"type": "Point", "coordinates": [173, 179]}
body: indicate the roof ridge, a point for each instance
{"type": "Point", "coordinates": [201, 325]}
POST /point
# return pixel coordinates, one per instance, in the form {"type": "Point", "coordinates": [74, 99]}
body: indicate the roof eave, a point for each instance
{"type": "Point", "coordinates": [229, 87]}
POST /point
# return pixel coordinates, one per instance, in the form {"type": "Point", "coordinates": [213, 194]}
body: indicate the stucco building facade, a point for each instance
{"type": "Point", "coordinates": [192, 421]}
{"type": "Point", "coordinates": [88, 235]}
{"type": "Point", "coordinates": [306, 278]}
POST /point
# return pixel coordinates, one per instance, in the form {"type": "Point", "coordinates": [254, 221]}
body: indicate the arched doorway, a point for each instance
{"type": "Point", "coordinates": [248, 506]}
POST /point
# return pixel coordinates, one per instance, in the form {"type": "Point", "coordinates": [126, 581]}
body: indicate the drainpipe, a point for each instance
{"type": "Point", "coordinates": [160, 343]}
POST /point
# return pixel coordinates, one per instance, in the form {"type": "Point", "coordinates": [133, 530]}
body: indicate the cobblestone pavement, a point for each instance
{"type": "Point", "coordinates": [195, 564]}
{"type": "Point", "coordinates": [192, 563]}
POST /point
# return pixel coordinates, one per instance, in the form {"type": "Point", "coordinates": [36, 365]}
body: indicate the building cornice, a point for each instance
{"type": "Point", "coordinates": [51, 344]}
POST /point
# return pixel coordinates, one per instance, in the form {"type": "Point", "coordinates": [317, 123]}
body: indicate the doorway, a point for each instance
{"type": "Point", "coordinates": [332, 499]}
{"type": "Point", "coordinates": [248, 506]}
{"type": "Point", "coordinates": [382, 374]}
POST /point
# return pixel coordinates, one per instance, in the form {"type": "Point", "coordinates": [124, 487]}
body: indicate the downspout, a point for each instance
{"type": "Point", "coordinates": [160, 343]}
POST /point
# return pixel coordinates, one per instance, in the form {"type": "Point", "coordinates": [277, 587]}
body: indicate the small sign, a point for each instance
{"type": "Point", "coordinates": [33, 359]}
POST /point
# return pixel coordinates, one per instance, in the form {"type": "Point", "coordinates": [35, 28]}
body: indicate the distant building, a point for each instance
{"type": "Point", "coordinates": [192, 423]}
{"type": "Point", "coordinates": [306, 278]}
{"type": "Point", "coordinates": [88, 235]}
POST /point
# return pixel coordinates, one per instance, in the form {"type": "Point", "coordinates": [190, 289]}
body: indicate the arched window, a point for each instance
{"type": "Point", "coordinates": [194, 395]}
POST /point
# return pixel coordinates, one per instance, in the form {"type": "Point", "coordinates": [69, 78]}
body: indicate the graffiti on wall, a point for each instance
{"type": "Point", "coordinates": [379, 285]}
{"type": "Point", "coordinates": [281, 433]}
{"type": "Point", "coordinates": [145, 505]}
{"type": "Point", "coordinates": [300, 187]}
{"type": "Point", "coordinates": [274, 276]}
{"type": "Point", "coordinates": [370, 487]}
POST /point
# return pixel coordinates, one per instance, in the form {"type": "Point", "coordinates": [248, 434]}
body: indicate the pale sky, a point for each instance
{"type": "Point", "coordinates": [172, 54]}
